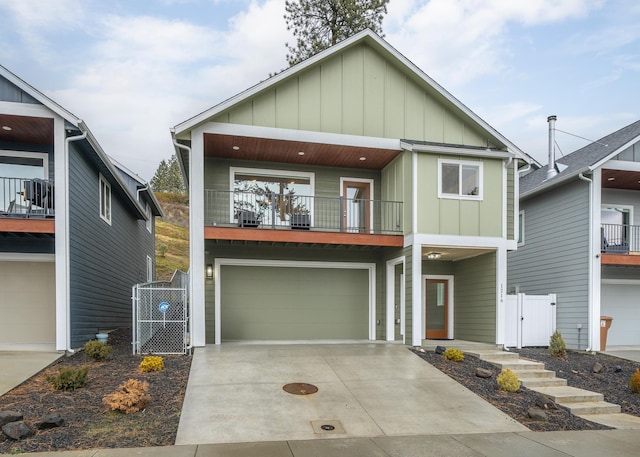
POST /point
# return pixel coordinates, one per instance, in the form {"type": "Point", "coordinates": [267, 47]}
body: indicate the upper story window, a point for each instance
{"type": "Point", "coordinates": [272, 195]}
{"type": "Point", "coordinates": [16, 169]}
{"type": "Point", "coordinates": [521, 228]}
{"type": "Point", "coordinates": [147, 213]}
{"type": "Point", "coordinates": [105, 200]}
{"type": "Point", "coordinates": [459, 179]}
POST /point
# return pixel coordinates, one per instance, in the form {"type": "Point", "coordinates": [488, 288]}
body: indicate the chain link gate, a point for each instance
{"type": "Point", "coordinates": [160, 317]}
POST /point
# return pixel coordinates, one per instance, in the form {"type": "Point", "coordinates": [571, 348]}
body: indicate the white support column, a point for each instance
{"type": "Point", "coordinates": [196, 237]}
{"type": "Point", "coordinates": [416, 295]}
{"type": "Point", "coordinates": [63, 336]}
{"type": "Point", "coordinates": [595, 273]}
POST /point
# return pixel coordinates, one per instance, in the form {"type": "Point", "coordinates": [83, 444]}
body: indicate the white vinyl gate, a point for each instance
{"type": "Point", "coordinates": [160, 316]}
{"type": "Point", "coordinates": [530, 320]}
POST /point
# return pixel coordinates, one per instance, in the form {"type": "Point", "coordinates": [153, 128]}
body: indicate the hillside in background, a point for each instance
{"type": "Point", "coordinates": [172, 232]}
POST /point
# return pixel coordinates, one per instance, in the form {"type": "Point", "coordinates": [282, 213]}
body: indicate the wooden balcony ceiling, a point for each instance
{"type": "Point", "coordinates": [24, 129]}
{"type": "Point", "coordinates": [619, 179]}
{"type": "Point", "coordinates": [285, 151]}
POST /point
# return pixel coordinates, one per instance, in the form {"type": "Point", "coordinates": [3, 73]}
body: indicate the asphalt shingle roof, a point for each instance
{"type": "Point", "coordinates": [581, 159]}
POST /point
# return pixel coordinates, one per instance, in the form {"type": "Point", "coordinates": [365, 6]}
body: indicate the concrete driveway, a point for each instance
{"type": "Point", "coordinates": [624, 352]}
{"type": "Point", "coordinates": [18, 366]}
{"type": "Point", "coordinates": [235, 394]}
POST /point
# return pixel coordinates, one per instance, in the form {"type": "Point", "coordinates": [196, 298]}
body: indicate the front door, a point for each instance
{"type": "Point", "coordinates": [357, 212]}
{"type": "Point", "coordinates": [437, 308]}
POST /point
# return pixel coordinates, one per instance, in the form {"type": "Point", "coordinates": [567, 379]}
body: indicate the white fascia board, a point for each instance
{"type": "Point", "coordinates": [614, 153]}
{"type": "Point", "coordinates": [456, 241]}
{"type": "Point", "coordinates": [621, 165]}
{"type": "Point", "coordinates": [306, 136]}
{"type": "Point", "coordinates": [26, 257]}
{"type": "Point", "coordinates": [451, 150]}
{"type": "Point", "coordinates": [35, 93]}
{"type": "Point", "coordinates": [25, 109]}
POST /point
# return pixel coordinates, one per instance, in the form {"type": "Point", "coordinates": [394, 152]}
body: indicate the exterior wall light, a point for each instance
{"type": "Point", "coordinates": [209, 271]}
{"type": "Point", "coordinates": [434, 255]}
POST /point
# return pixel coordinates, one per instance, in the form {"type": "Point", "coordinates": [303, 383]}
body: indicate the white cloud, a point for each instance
{"type": "Point", "coordinates": [459, 40]}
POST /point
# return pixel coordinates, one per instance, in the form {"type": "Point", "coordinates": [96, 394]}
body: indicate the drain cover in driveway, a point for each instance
{"type": "Point", "coordinates": [327, 427]}
{"type": "Point", "coordinates": [300, 388]}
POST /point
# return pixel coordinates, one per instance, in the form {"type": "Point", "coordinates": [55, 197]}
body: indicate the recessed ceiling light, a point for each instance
{"type": "Point", "coordinates": [7, 128]}
{"type": "Point", "coordinates": [434, 255]}
{"type": "Point", "coordinates": [611, 179]}
{"type": "Point", "coordinates": [363, 159]}
{"type": "Point", "coordinates": [236, 148]}
{"type": "Point", "coordinates": [301, 153]}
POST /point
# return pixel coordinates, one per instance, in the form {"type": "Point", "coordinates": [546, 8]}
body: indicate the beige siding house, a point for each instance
{"type": "Point", "coordinates": [348, 197]}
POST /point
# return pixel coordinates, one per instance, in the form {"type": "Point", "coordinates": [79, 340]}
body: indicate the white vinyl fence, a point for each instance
{"type": "Point", "coordinates": [530, 320]}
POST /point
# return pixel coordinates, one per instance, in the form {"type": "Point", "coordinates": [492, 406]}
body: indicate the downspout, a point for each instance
{"type": "Point", "coordinates": [190, 345]}
{"type": "Point", "coordinates": [67, 279]}
{"type": "Point", "coordinates": [582, 177]}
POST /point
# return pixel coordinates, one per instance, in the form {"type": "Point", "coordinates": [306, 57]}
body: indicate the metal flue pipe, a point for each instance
{"type": "Point", "coordinates": [551, 170]}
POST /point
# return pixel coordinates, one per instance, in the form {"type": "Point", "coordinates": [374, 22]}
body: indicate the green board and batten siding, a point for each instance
{"type": "Point", "coordinates": [358, 92]}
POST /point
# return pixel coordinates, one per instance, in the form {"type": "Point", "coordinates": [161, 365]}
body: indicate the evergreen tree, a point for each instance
{"type": "Point", "coordinates": [168, 177]}
{"type": "Point", "coordinates": [319, 24]}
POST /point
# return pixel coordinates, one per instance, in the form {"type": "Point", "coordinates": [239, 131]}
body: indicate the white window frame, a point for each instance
{"type": "Point", "coordinates": [520, 233]}
{"type": "Point", "coordinates": [105, 213]}
{"type": "Point", "coordinates": [149, 269]}
{"type": "Point", "coordinates": [460, 164]}
{"type": "Point", "coordinates": [270, 173]}
{"type": "Point", "coordinates": [31, 155]}
{"type": "Point", "coordinates": [147, 213]}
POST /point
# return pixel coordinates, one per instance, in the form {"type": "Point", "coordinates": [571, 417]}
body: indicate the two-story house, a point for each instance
{"type": "Point", "coordinates": [580, 238]}
{"type": "Point", "coordinates": [75, 231]}
{"type": "Point", "coordinates": [348, 197]}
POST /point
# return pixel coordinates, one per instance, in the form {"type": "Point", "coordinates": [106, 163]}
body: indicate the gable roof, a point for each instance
{"type": "Point", "coordinates": [374, 41]}
{"type": "Point", "coordinates": [99, 156]}
{"type": "Point", "coordinates": [582, 160]}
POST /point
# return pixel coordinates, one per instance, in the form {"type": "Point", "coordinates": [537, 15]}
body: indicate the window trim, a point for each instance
{"type": "Point", "coordinates": [461, 163]}
{"type": "Point", "coordinates": [520, 238]}
{"type": "Point", "coordinates": [30, 155]}
{"type": "Point", "coordinates": [267, 172]}
{"type": "Point", "coordinates": [149, 269]}
{"type": "Point", "coordinates": [147, 213]}
{"type": "Point", "coordinates": [103, 213]}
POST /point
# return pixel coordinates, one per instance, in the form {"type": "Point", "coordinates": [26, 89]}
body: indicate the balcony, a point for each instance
{"type": "Point", "coordinates": [620, 244]}
{"type": "Point", "coordinates": [299, 217]}
{"type": "Point", "coordinates": [26, 205]}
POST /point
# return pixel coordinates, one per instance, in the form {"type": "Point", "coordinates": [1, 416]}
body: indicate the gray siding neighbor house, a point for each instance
{"type": "Point", "coordinates": [348, 197]}
{"type": "Point", "coordinates": [580, 239]}
{"type": "Point", "coordinates": [76, 231]}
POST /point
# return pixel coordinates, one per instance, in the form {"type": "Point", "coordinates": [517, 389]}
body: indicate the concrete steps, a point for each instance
{"type": "Point", "coordinates": [580, 402]}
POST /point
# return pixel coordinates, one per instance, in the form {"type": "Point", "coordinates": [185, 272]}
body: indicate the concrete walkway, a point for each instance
{"type": "Point", "coordinates": [235, 394]}
{"type": "Point", "coordinates": [18, 366]}
{"type": "Point", "coordinates": [624, 352]}
{"type": "Point", "coordinates": [612, 443]}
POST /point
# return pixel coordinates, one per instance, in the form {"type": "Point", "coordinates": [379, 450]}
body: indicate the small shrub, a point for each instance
{"type": "Point", "coordinates": [130, 397]}
{"type": "Point", "coordinates": [152, 363]}
{"type": "Point", "coordinates": [508, 380]}
{"type": "Point", "coordinates": [97, 350]}
{"type": "Point", "coordinates": [557, 346]}
{"type": "Point", "coordinates": [163, 249]}
{"type": "Point", "coordinates": [453, 354]}
{"type": "Point", "coordinates": [69, 378]}
{"type": "Point", "coordinates": [634, 381]}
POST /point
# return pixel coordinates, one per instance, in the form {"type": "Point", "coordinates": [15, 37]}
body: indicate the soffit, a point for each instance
{"type": "Point", "coordinates": [452, 254]}
{"type": "Point", "coordinates": [26, 129]}
{"type": "Point", "coordinates": [287, 151]}
{"type": "Point", "coordinates": [619, 179]}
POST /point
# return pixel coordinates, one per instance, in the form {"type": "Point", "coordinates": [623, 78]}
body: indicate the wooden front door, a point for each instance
{"type": "Point", "coordinates": [437, 308]}
{"type": "Point", "coordinates": [357, 206]}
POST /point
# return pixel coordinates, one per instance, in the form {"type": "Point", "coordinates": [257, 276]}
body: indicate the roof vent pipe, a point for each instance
{"type": "Point", "coordinates": [551, 170]}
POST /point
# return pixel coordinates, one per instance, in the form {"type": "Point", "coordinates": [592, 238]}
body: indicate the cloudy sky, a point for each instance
{"type": "Point", "coordinates": [131, 69]}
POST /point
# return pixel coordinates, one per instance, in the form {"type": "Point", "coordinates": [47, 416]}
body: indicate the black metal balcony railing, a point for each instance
{"type": "Point", "coordinates": [21, 197]}
{"type": "Point", "coordinates": [620, 238]}
{"type": "Point", "coordinates": [271, 211]}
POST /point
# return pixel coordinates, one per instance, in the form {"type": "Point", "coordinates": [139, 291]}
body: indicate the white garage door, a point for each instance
{"type": "Point", "coordinates": [286, 303]}
{"type": "Point", "coordinates": [27, 304]}
{"type": "Point", "coordinates": [622, 303]}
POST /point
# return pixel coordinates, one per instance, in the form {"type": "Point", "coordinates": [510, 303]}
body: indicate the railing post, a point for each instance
{"type": "Point", "coordinates": [341, 215]}
{"type": "Point", "coordinates": [273, 210]}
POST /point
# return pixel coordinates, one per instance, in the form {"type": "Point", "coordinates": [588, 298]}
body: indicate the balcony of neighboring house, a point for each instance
{"type": "Point", "coordinates": [620, 244]}
{"type": "Point", "coordinates": [259, 214]}
{"type": "Point", "coordinates": [26, 205]}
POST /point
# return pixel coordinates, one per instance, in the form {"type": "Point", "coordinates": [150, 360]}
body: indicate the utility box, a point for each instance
{"type": "Point", "coordinates": [605, 325]}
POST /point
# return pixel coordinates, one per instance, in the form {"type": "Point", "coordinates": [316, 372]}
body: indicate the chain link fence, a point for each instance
{"type": "Point", "coordinates": [161, 317]}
